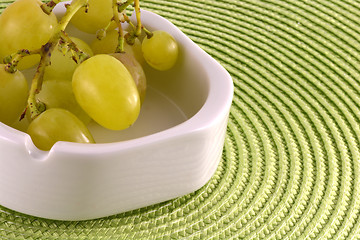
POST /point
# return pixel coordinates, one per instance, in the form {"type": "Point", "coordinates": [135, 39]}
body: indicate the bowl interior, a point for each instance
{"type": "Point", "coordinates": [172, 96]}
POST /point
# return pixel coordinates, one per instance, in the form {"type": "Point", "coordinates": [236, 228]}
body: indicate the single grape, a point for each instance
{"type": "Point", "coordinates": [109, 43]}
{"type": "Point", "coordinates": [13, 95]}
{"type": "Point", "coordinates": [63, 66]}
{"type": "Point", "coordinates": [24, 25]}
{"type": "Point", "coordinates": [57, 93]}
{"type": "Point", "coordinates": [105, 89]}
{"type": "Point", "coordinates": [98, 16]}
{"type": "Point", "coordinates": [135, 70]}
{"type": "Point", "coordinates": [55, 125]}
{"type": "Point", "coordinates": [160, 51]}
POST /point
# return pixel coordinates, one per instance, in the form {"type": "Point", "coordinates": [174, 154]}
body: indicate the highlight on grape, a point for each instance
{"type": "Point", "coordinates": [76, 82]}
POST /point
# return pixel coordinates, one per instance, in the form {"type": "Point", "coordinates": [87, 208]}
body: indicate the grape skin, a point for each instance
{"type": "Point", "coordinates": [25, 26]}
{"type": "Point", "coordinates": [160, 51]}
{"type": "Point", "coordinates": [57, 93]}
{"type": "Point", "coordinates": [13, 95]}
{"type": "Point", "coordinates": [97, 17]}
{"type": "Point", "coordinates": [55, 125]}
{"type": "Point", "coordinates": [106, 91]}
{"type": "Point", "coordinates": [135, 70]}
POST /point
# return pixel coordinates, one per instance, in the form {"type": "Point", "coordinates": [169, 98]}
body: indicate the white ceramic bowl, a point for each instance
{"type": "Point", "coordinates": [172, 150]}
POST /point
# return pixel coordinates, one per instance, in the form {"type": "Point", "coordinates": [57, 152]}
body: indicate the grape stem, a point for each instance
{"type": "Point", "coordinates": [12, 60]}
{"type": "Point", "coordinates": [65, 43]}
{"type": "Point", "coordinates": [123, 6]}
{"type": "Point", "coordinates": [147, 32]}
{"type": "Point", "coordinates": [34, 106]}
{"type": "Point", "coordinates": [120, 46]}
{"type": "Point", "coordinates": [129, 40]}
{"type": "Point", "coordinates": [138, 18]}
{"type": "Point", "coordinates": [49, 7]}
{"type": "Point", "coordinates": [120, 8]}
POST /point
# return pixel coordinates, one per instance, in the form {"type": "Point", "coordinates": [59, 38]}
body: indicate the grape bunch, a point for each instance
{"type": "Point", "coordinates": [76, 82]}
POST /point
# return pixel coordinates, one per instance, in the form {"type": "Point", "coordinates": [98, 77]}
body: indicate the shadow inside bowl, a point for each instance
{"type": "Point", "coordinates": [172, 97]}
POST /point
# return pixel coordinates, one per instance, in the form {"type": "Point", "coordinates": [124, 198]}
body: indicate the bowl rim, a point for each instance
{"type": "Point", "coordinates": [216, 105]}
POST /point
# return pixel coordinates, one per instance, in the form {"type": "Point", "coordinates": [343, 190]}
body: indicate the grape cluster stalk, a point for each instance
{"type": "Point", "coordinates": [60, 37]}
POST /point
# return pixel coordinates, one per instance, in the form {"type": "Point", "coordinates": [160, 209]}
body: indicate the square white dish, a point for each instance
{"type": "Point", "coordinates": [173, 149]}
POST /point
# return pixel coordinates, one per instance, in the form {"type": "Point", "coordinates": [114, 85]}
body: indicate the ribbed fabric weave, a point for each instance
{"type": "Point", "coordinates": [291, 162]}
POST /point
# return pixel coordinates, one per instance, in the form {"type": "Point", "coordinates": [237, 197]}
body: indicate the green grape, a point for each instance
{"type": "Point", "coordinates": [97, 17]}
{"type": "Point", "coordinates": [24, 25]}
{"type": "Point", "coordinates": [160, 51]}
{"type": "Point", "coordinates": [109, 43]}
{"type": "Point", "coordinates": [105, 89]}
{"type": "Point", "coordinates": [55, 125]}
{"type": "Point", "coordinates": [21, 125]}
{"type": "Point", "coordinates": [59, 94]}
{"type": "Point", "coordinates": [135, 70]}
{"type": "Point", "coordinates": [13, 95]}
{"type": "Point", "coordinates": [63, 66]}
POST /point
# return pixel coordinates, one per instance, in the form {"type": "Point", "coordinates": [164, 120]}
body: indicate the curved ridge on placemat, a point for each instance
{"type": "Point", "coordinates": [290, 165]}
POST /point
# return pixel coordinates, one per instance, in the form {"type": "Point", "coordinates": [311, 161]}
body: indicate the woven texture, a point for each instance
{"type": "Point", "coordinates": [290, 166]}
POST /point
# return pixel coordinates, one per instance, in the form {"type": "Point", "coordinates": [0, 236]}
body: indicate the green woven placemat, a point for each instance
{"type": "Point", "coordinates": [290, 165]}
